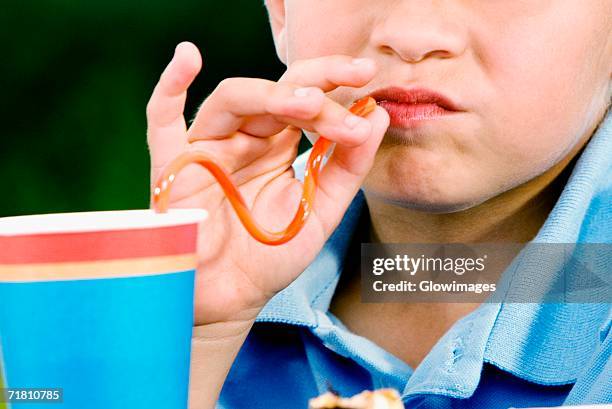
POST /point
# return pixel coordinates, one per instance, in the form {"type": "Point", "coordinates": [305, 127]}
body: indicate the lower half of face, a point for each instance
{"type": "Point", "coordinates": [530, 82]}
{"type": "Point", "coordinates": [457, 161]}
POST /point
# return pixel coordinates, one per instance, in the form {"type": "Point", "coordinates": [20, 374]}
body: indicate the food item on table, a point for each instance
{"type": "Point", "coordinates": [379, 399]}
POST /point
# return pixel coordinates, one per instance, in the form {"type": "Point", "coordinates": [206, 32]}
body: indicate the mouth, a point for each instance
{"type": "Point", "coordinates": [408, 108]}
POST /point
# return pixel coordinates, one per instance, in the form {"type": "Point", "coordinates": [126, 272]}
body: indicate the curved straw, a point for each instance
{"type": "Point", "coordinates": [162, 188]}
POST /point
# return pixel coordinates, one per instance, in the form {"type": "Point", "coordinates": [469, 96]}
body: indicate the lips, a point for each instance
{"type": "Point", "coordinates": [411, 107]}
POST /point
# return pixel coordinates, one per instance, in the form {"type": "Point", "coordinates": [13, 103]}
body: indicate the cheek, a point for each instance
{"type": "Point", "coordinates": [548, 86]}
{"type": "Point", "coordinates": [320, 27]}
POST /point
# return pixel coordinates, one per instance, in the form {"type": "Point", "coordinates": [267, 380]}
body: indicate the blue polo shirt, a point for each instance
{"type": "Point", "coordinates": [499, 356]}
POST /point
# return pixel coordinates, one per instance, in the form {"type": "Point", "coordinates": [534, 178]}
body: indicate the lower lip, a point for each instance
{"type": "Point", "coordinates": [409, 115]}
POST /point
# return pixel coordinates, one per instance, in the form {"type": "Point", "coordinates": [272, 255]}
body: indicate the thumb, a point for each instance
{"type": "Point", "coordinates": [345, 171]}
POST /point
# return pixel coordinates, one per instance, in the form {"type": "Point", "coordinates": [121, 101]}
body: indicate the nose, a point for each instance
{"type": "Point", "coordinates": [415, 30]}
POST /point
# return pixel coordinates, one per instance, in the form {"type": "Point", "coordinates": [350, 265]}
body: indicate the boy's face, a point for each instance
{"type": "Point", "coordinates": [530, 80]}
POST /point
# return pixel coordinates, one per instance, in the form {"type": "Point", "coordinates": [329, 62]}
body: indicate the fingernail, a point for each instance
{"type": "Point", "coordinates": [360, 61]}
{"type": "Point", "coordinates": [356, 123]}
{"type": "Point", "coordinates": [178, 46]}
{"type": "Point", "coordinates": [303, 92]}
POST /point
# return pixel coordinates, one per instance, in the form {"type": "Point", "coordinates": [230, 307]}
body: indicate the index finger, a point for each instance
{"type": "Point", "coordinates": [330, 72]}
{"type": "Point", "coordinates": [166, 127]}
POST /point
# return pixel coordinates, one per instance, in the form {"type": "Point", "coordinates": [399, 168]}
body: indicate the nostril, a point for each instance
{"type": "Point", "coordinates": [442, 54]}
{"type": "Point", "coordinates": [386, 50]}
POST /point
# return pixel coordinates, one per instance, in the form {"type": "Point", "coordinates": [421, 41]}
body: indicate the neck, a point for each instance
{"type": "Point", "coordinates": [514, 216]}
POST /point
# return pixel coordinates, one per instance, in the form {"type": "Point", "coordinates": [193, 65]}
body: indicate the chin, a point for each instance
{"type": "Point", "coordinates": [423, 195]}
{"type": "Point", "coordinates": [420, 203]}
{"type": "Point", "coordinates": [426, 180]}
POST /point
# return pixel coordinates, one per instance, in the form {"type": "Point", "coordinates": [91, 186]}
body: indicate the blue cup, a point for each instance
{"type": "Point", "coordinates": [96, 309]}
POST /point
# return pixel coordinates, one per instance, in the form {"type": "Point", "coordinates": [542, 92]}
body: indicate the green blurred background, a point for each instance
{"type": "Point", "coordinates": [76, 79]}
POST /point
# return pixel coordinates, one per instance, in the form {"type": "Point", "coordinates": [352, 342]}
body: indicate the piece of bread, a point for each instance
{"type": "Point", "coordinates": [379, 399]}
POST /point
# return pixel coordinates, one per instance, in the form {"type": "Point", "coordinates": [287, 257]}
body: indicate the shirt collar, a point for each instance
{"type": "Point", "coordinates": [526, 339]}
{"type": "Point", "coordinates": [539, 350]}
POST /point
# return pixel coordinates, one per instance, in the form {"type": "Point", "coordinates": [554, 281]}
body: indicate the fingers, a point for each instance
{"type": "Point", "coordinates": [237, 102]}
{"type": "Point", "coordinates": [344, 172]}
{"type": "Point", "coordinates": [312, 75]}
{"type": "Point", "coordinates": [236, 99]}
{"type": "Point", "coordinates": [166, 129]}
{"type": "Point", "coordinates": [330, 72]}
{"type": "Point", "coordinates": [240, 155]}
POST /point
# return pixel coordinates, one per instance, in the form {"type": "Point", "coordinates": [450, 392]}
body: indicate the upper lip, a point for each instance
{"type": "Point", "coordinates": [415, 96]}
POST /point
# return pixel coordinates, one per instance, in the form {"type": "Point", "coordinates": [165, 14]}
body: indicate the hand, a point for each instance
{"type": "Point", "coordinates": [252, 128]}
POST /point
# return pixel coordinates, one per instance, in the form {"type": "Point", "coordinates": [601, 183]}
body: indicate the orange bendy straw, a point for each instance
{"type": "Point", "coordinates": [161, 191]}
